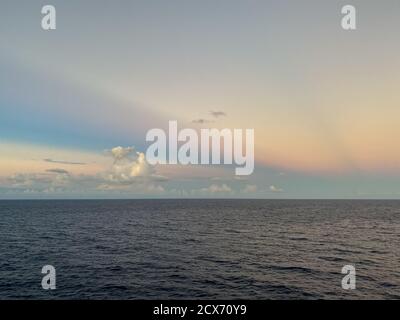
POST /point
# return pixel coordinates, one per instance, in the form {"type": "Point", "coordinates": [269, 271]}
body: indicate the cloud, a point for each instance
{"type": "Point", "coordinates": [229, 178]}
{"type": "Point", "coordinates": [129, 166]}
{"type": "Point", "coordinates": [63, 162]}
{"type": "Point", "coordinates": [39, 182]}
{"type": "Point", "coordinates": [59, 171]}
{"type": "Point", "coordinates": [29, 180]}
{"type": "Point", "coordinates": [218, 114]}
{"type": "Point", "coordinates": [214, 188]}
{"type": "Point", "coordinates": [215, 114]}
{"type": "Point", "coordinates": [202, 121]}
{"type": "Point", "coordinates": [275, 189]}
{"type": "Point", "coordinates": [129, 172]}
{"type": "Point", "coordinates": [120, 153]}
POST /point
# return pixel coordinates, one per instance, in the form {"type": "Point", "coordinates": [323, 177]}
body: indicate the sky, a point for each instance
{"type": "Point", "coordinates": [76, 102]}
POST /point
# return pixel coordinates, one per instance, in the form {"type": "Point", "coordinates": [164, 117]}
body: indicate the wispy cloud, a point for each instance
{"type": "Point", "coordinates": [215, 114]}
{"type": "Point", "coordinates": [57, 170]}
{"type": "Point", "coordinates": [63, 162]}
{"type": "Point", "coordinates": [202, 121]}
{"type": "Point", "coordinates": [48, 182]}
{"type": "Point", "coordinates": [214, 188]}
{"type": "Point", "coordinates": [218, 114]}
{"type": "Point", "coordinates": [128, 173]}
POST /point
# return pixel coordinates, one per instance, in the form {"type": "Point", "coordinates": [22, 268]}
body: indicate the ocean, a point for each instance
{"type": "Point", "coordinates": [200, 249]}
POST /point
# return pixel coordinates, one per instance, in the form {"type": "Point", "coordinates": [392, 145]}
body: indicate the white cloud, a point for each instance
{"type": "Point", "coordinates": [120, 153]}
{"type": "Point", "coordinates": [214, 188]}
{"type": "Point", "coordinates": [229, 178]}
{"type": "Point", "coordinates": [51, 180]}
{"type": "Point", "coordinates": [128, 173]}
{"type": "Point", "coordinates": [129, 166]}
{"type": "Point", "coordinates": [275, 189]}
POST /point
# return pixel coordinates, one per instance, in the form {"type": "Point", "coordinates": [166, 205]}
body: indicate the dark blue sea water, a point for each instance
{"type": "Point", "coordinates": [225, 249]}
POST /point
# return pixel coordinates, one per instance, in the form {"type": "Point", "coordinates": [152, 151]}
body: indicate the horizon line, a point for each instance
{"type": "Point", "coordinates": [131, 199]}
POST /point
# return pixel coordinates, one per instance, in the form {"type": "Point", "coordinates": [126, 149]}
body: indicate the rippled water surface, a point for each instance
{"type": "Point", "coordinates": [146, 249]}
